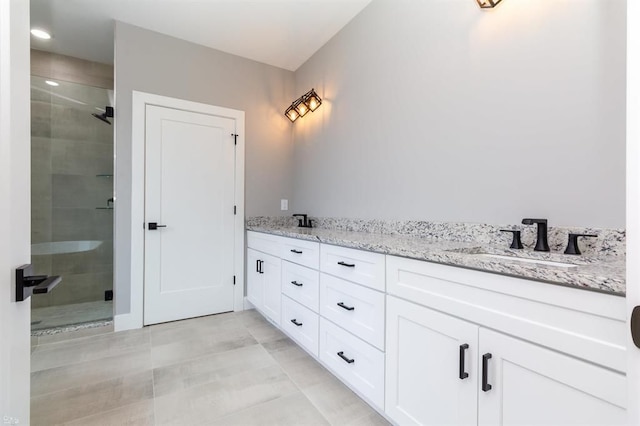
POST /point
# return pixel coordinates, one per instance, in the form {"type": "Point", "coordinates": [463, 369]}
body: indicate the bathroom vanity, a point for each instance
{"type": "Point", "coordinates": [439, 332]}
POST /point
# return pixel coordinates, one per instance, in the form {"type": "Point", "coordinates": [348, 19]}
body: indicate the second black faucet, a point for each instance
{"type": "Point", "coordinates": [542, 243]}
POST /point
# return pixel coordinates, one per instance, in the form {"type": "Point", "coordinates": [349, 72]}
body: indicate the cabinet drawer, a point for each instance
{"type": "Point", "coordinates": [357, 309]}
{"type": "Point", "coordinates": [265, 243]}
{"type": "Point", "coordinates": [301, 284]}
{"type": "Point", "coordinates": [358, 364]}
{"type": "Point", "coordinates": [305, 328]}
{"type": "Point", "coordinates": [359, 266]}
{"type": "Point", "coordinates": [306, 253]}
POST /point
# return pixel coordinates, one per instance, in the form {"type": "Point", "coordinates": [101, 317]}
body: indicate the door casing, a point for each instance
{"type": "Point", "coordinates": [134, 319]}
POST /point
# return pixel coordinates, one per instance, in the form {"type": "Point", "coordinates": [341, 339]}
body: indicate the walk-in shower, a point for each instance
{"type": "Point", "coordinates": [71, 202]}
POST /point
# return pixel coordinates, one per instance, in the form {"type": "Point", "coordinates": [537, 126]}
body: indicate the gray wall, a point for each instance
{"type": "Point", "coordinates": [436, 110]}
{"type": "Point", "coordinates": [151, 62]}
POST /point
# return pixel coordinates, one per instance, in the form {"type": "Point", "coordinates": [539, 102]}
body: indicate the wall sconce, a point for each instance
{"type": "Point", "coordinates": [310, 101]}
{"type": "Point", "coordinates": [488, 4]}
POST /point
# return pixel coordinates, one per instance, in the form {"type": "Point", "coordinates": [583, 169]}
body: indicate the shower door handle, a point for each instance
{"type": "Point", "coordinates": [154, 226]}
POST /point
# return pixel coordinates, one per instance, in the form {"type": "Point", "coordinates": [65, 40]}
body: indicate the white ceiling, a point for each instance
{"type": "Point", "coordinates": [284, 33]}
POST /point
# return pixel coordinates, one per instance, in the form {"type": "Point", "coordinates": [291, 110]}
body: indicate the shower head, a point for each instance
{"type": "Point", "coordinates": [102, 117]}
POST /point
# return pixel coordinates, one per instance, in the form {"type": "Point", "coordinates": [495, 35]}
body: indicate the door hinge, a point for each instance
{"type": "Point", "coordinates": [235, 138]}
{"type": "Point", "coordinates": [234, 280]}
{"type": "Point", "coordinates": [235, 210]}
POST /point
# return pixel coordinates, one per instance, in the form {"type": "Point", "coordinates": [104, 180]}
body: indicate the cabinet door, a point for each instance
{"type": "Point", "coordinates": [533, 385]}
{"type": "Point", "coordinates": [271, 273]}
{"type": "Point", "coordinates": [425, 383]}
{"type": "Point", "coordinates": [255, 288]}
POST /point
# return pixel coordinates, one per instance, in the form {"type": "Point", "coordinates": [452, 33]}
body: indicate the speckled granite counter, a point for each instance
{"type": "Point", "coordinates": [599, 270]}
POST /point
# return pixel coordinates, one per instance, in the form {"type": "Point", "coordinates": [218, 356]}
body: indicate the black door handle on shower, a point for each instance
{"type": "Point", "coordinates": [461, 373]}
{"type": "Point", "coordinates": [485, 372]}
{"type": "Point", "coordinates": [348, 265]}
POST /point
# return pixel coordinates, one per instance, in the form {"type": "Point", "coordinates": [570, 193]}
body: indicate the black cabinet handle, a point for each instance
{"type": "Point", "coordinates": [258, 266]}
{"type": "Point", "coordinates": [299, 324]}
{"type": "Point", "coordinates": [296, 283]}
{"type": "Point", "coordinates": [348, 265]}
{"type": "Point", "coordinates": [295, 251]}
{"type": "Point", "coordinates": [485, 372]}
{"type": "Point", "coordinates": [461, 373]}
{"type": "Point", "coordinates": [343, 306]}
{"type": "Point", "coordinates": [347, 360]}
{"type": "Point", "coordinates": [260, 262]}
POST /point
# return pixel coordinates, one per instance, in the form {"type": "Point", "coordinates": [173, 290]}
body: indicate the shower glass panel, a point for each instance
{"type": "Point", "coordinates": [71, 203]}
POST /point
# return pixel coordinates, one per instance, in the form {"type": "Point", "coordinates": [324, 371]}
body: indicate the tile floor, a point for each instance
{"type": "Point", "coordinates": [228, 369]}
{"type": "Point", "coordinates": [65, 315]}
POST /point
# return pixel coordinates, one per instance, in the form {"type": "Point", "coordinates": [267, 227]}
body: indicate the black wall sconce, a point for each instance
{"type": "Point", "coordinates": [488, 4]}
{"type": "Point", "coordinates": [310, 101]}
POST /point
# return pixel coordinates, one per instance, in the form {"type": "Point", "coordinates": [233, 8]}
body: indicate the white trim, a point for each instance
{"type": "Point", "coordinates": [633, 202]}
{"type": "Point", "coordinates": [125, 322]}
{"type": "Point", "coordinates": [139, 102]}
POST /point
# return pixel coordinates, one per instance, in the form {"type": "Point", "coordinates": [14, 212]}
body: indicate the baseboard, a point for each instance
{"type": "Point", "coordinates": [124, 322]}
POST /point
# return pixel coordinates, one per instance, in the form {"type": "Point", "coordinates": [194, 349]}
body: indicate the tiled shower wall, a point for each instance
{"type": "Point", "coordinates": [72, 160]}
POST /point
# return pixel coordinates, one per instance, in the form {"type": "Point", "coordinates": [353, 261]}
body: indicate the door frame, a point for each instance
{"type": "Point", "coordinates": [15, 210]}
{"type": "Point", "coordinates": [633, 203]}
{"type": "Point", "coordinates": [140, 100]}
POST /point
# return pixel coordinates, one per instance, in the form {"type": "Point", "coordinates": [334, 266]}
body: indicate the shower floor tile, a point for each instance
{"type": "Point", "coordinates": [66, 315]}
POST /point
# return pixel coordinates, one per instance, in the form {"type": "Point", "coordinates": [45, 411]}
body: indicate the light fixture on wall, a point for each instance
{"type": "Point", "coordinates": [488, 4]}
{"type": "Point", "coordinates": [310, 101]}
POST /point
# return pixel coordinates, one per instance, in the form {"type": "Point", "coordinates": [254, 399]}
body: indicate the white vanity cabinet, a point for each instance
{"type": "Point", "coordinates": [452, 357]}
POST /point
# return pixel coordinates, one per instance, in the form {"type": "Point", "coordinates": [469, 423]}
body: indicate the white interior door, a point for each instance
{"type": "Point", "coordinates": [189, 194]}
{"type": "Point", "coordinates": [15, 211]}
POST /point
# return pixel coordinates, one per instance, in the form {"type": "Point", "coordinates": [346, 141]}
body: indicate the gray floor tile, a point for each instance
{"type": "Point", "coordinates": [196, 347]}
{"type": "Point", "coordinates": [293, 409]}
{"type": "Point", "coordinates": [203, 404]}
{"type": "Point", "coordinates": [99, 370]}
{"type": "Point", "coordinates": [90, 399]}
{"type": "Point", "coordinates": [89, 348]}
{"type": "Point", "coordinates": [233, 368]}
{"type": "Point", "coordinates": [336, 402]}
{"type": "Point", "coordinates": [138, 414]}
{"type": "Point", "coordinates": [210, 368]}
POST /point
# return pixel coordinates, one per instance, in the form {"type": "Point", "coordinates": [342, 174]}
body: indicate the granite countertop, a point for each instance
{"type": "Point", "coordinates": [596, 272]}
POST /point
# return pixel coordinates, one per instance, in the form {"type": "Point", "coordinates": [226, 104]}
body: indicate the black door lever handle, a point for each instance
{"type": "Point", "coordinates": [154, 225]}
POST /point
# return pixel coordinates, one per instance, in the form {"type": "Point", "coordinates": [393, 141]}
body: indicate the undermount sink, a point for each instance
{"type": "Point", "coordinates": [484, 253]}
{"type": "Point", "coordinates": [527, 260]}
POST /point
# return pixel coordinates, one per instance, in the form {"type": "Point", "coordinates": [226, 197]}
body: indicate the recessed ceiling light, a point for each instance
{"type": "Point", "coordinates": [40, 34]}
{"type": "Point", "coordinates": [52, 83]}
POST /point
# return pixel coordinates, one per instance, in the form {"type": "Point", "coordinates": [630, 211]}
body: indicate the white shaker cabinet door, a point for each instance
{"type": "Point", "coordinates": [431, 369]}
{"type": "Point", "coordinates": [255, 286]}
{"type": "Point", "coordinates": [271, 272]}
{"type": "Point", "coordinates": [527, 384]}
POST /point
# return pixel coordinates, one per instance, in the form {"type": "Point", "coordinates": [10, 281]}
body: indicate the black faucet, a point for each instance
{"type": "Point", "coordinates": [304, 222]}
{"type": "Point", "coordinates": [541, 244]}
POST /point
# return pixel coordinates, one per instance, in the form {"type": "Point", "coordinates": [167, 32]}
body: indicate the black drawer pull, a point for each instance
{"type": "Point", "coordinates": [461, 373]}
{"type": "Point", "coordinates": [296, 251]}
{"type": "Point", "coordinates": [348, 265]}
{"type": "Point", "coordinates": [343, 306]}
{"type": "Point", "coordinates": [347, 360]}
{"type": "Point", "coordinates": [296, 283]}
{"type": "Point", "coordinates": [299, 324]}
{"type": "Point", "coordinates": [485, 371]}
{"type": "Point", "coordinates": [258, 266]}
